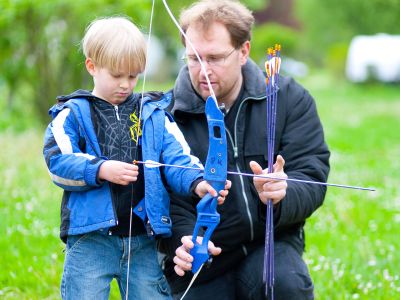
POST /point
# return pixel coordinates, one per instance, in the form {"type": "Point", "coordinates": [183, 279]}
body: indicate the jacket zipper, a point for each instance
{"type": "Point", "coordinates": [115, 197]}
{"type": "Point", "coordinates": [236, 155]}
{"type": "Point", "coordinates": [246, 200]}
{"type": "Point", "coordinates": [116, 112]}
{"type": "Point", "coordinates": [116, 108]}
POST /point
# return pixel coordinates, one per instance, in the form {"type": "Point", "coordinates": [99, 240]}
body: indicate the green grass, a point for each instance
{"type": "Point", "coordinates": [352, 240]}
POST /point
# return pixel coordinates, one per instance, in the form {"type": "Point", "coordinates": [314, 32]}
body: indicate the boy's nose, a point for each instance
{"type": "Point", "coordinates": [124, 84]}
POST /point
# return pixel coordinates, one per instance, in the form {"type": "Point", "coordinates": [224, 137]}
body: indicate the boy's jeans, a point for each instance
{"type": "Point", "coordinates": [92, 260]}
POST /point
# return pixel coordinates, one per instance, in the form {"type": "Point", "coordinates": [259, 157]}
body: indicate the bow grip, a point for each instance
{"type": "Point", "coordinates": [207, 219]}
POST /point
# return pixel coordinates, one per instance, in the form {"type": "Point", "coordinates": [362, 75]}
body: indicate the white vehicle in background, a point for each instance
{"type": "Point", "coordinates": [374, 57]}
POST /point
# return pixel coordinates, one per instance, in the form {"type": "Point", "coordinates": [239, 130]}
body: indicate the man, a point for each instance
{"type": "Point", "coordinates": [220, 30]}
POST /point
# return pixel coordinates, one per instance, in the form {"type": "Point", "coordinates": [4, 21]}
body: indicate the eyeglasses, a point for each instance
{"type": "Point", "coordinates": [212, 60]}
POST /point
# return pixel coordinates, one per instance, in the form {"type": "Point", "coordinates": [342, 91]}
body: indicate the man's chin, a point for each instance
{"type": "Point", "coordinates": [205, 93]}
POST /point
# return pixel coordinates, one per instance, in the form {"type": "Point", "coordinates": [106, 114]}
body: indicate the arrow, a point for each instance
{"type": "Point", "coordinates": [154, 164]}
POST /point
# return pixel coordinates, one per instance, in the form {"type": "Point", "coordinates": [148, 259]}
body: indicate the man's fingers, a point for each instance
{"type": "Point", "coordinates": [274, 186]}
{"type": "Point", "coordinates": [182, 264]}
{"type": "Point", "coordinates": [179, 271]}
{"type": "Point", "coordinates": [256, 168]}
{"type": "Point", "coordinates": [228, 185]}
{"type": "Point", "coordinates": [279, 164]}
{"type": "Point", "coordinates": [183, 254]}
{"type": "Point", "coordinates": [187, 242]}
{"type": "Point", "coordinates": [214, 250]}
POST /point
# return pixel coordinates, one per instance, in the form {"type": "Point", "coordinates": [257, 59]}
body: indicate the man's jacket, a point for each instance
{"type": "Point", "coordinates": [88, 204]}
{"type": "Point", "coordinates": [299, 139]}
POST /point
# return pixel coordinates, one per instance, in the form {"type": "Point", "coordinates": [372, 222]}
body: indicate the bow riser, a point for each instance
{"type": "Point", "coordinates": [215, 173]}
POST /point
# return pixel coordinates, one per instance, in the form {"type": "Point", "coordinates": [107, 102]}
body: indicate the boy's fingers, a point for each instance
{"type": "Point", "coordinates": [211, 190]}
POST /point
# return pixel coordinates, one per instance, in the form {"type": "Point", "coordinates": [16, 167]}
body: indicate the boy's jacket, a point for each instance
{"type": "Point", "coordinates": [87, 202]}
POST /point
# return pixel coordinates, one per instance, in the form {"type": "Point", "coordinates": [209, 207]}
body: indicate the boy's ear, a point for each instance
{"type": "Point", "coordinates": [90, 67]}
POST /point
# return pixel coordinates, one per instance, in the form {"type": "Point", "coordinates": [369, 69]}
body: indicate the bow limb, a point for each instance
{"type": "Point", "coordinates": [215, 168]}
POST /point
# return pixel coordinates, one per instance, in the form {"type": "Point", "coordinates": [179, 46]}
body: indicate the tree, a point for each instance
{"type": "Point", "coordinates": [39, 43]}
{"type": "Point", "coordinates": [329, 25]}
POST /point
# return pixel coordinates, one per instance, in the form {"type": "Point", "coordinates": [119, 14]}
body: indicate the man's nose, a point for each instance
{"type": "Point", "coordinates": [207, 67]}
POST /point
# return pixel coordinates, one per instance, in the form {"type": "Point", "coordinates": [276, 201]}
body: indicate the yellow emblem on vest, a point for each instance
{"type": "Point", "coordinates": [135, 129]}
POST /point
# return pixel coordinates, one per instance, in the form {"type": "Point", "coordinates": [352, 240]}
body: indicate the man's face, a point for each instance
{"type": "Point", "coordinates": [222, 62]}
{"type": "Point", "coordinates": [114, 87]}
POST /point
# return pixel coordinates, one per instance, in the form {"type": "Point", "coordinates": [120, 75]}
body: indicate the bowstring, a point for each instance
{"type": "Point", "coordinates": [137, 145]}
{"type": "Point", "coordinates": [203, 68]}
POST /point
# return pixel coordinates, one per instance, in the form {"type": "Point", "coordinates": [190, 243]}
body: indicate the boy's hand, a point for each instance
{"type": "Point", "coordinates": [118, 172]}
{"type": "Point", "coordinates": [183, 260]}
{"type": "Point", "coordinates": [204, 187]}
{"type": "Point", "coordinates": [270, 188]}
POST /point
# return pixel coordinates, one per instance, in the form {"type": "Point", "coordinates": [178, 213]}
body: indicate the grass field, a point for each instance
{"type": "Point", "coordinates": [352, 240]}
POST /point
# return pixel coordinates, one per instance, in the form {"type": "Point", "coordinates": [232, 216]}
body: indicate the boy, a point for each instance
{"type": "Point", "coordinates": [89, 148]}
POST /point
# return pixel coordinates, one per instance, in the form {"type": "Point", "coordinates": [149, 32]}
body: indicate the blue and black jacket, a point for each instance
{"type": "Point", "coordinates": [73, 155]}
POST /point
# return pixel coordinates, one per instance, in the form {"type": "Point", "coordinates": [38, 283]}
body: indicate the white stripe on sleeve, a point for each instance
{"type": "Point", "coordinates": [173, 129]}
{"type": "Point", "coordinates": [67, 182]}
{"type": "Point", "coordinates": [62, 139]}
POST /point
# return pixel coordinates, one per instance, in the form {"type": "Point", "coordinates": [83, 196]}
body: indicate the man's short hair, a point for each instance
{"type": "Point", "coordinates": [237, 19]}
{"type": "Point", "coordinates": [115, 43]}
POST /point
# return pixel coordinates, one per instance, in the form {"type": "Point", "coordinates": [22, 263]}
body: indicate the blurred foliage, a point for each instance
{"type": "Point", "coordinates": [330, 25]}
{"type": "Point", "coordinates": [336, 57]}
{"type": "Point", "coordinates": [40, 56]}
{"type": "Point", "coordinates": [39, 44]}
{"type": "Point", "coordinates": [267, 35]}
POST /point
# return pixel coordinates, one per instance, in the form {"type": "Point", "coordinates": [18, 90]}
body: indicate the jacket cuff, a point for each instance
{"type": "Point", "coordinates": [92, 171]}
{"type": "Point", "coordinates": [193, 187]}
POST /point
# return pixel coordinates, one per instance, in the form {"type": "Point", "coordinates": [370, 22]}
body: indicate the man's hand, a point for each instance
{"type": "Point", "coordinates": [183, 260]}
{"type": "Point", "coordinates": [118, 172]}
{"type": "Point", "coordinates": [204, 187]}
{"type": "Point", "coordinates": [270, 188]}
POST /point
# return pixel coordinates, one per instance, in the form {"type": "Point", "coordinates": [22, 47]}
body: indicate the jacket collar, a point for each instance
{"type": "Point", "coordinates": [187, 100]}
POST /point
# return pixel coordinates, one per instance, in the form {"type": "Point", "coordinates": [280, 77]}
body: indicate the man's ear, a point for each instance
{"type": "Point", "coordinates": [244, 52]}
{"type": "Point", "coordinates": [90, 67]}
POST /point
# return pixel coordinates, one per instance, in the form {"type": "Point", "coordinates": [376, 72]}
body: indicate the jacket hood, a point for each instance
{"type": "Point", "coordinates": [74, 95]}
{"type": "Point", "coordinates": [187, 100]}
{"type": "Point", "coordinates": [148, 96]}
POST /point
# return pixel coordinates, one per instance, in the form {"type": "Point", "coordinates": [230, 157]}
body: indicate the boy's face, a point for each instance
{"type": "Point", "coordinates": [110, 86]}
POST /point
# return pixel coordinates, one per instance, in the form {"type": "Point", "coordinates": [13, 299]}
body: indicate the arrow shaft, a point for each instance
{"type": "Point", "coordinates": [156, 164]}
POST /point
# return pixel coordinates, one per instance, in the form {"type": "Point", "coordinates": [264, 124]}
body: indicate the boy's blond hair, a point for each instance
{"type": "Point", "coordinates": [115, 43]}
{"type": "Point", "coordinates": [237, 19]}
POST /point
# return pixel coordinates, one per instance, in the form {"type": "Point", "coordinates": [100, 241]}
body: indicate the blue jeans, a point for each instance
{"type": "Point", "coordinates": [245, 282]}
{"type": "Point", "coordinates": [93, 260]}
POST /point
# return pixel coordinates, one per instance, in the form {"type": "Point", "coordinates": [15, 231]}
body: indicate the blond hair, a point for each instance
{"type": "Point", "coordinates": [237, 19]}
{"type": "Point", "coordinates": [115, 43]}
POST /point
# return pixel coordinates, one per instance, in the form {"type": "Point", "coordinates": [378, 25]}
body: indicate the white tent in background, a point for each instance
{"type": "Point", "coordinates": [376, 57]}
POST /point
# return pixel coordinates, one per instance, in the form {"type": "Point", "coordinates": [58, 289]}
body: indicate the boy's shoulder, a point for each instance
{"type": "Point", "coordinates": [160, 99]}
{"type": "Point", "coordinates": [79, 94]}
{"type": "Point", "coordinates": [154, 95]}
{"type": "Point", "coordinates": [72, 100]}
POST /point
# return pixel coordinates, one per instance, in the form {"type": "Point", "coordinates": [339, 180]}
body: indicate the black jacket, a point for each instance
{"type": "Point", "coordinates": [299, 139]}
